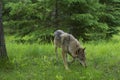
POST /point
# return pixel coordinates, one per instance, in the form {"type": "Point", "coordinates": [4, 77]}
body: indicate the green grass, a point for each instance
{"type": "Point", "coordinates": [38, 62]}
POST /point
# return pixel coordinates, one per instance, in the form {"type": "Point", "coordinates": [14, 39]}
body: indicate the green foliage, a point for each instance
{"type": "Point", "coordinates": [111, 17]}
{"type": "Point", "coordinates": [27, 19]}
{"type": "Point", "coordinates": [86, 19]}
{"type": "Point", "coordinates": [91, 16]}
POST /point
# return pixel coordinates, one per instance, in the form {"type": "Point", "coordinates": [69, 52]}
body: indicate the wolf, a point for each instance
{"type": "Point", "coordinates": [70, 45]}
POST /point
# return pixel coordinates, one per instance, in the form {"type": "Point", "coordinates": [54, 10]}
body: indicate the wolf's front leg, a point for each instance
{"type": "Point", "coordinates": [65, 60]}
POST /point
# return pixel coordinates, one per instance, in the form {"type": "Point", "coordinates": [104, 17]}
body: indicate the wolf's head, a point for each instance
{"type": "Point", "coordinates": [58, 32]}
{"type": "Point", "coordinates": [81, 56]}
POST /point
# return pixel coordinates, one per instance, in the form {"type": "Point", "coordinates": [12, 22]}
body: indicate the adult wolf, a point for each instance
{"type": "Point", "coordinates": [70, 45]}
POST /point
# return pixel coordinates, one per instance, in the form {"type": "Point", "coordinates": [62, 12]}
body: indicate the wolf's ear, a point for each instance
{"type": "Point", "coordinates": [83, 49]}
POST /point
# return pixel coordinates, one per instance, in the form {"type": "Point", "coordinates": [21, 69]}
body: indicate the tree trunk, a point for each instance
{"type": "Point", "coordinates": [3, 52]}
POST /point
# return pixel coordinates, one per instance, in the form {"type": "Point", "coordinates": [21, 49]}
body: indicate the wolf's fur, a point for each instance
{"type": "Point", "coordinates": [70, 45]}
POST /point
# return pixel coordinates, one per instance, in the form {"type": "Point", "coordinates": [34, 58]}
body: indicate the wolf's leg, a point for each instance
{"type": "Point", "coordinates": [65, 60]}
{"type": "Point", "coordinates": [56, 52]}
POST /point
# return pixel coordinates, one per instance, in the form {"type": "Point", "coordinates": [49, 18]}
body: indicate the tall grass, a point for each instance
{"type": "Point", "coordinates": [38, 62]}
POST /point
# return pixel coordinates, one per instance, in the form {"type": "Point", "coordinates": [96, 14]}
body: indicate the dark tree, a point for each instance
{"type": "Point", "coordinates": [3, 52]}
{"type": "Point", "coordinates": [56, 14]}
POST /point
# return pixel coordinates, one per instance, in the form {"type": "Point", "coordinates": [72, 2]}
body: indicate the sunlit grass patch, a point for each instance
{"type": "Point", "coordinates": [38, 62]}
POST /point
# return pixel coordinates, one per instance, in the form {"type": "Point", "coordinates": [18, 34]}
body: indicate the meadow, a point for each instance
{"type": "Point", "coordinates": [38, 62]}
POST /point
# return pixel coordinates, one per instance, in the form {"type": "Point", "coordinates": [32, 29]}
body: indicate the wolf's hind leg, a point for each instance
{"type": "Point", "coordinates": [56, 52]}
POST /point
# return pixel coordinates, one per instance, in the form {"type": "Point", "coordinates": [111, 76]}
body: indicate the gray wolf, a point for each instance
{"type": "Point", "coordinates": [70, 45]}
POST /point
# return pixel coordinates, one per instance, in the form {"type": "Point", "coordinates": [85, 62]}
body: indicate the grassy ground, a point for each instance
{"type": "Point", "coordinates": [38, 62]}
